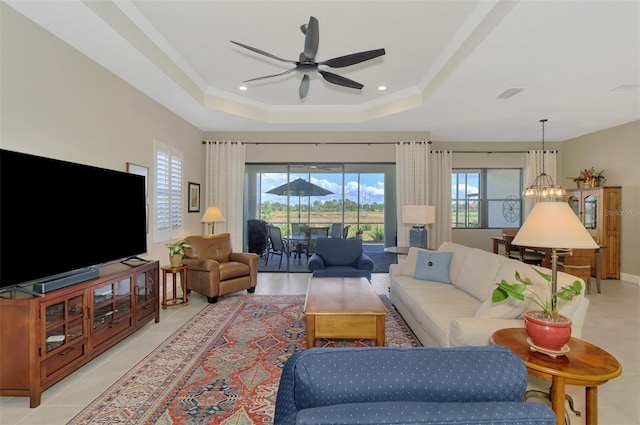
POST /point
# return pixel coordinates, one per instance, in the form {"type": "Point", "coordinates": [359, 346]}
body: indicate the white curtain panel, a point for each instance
{"type": "Point", "coordinates": [535, 162]}
{"type": "Point", "coordinates": [412, 176]}
{"type": "Point", "coordinates": [224, 187]}
{"type": "Point", "coordinates": [440, 197]}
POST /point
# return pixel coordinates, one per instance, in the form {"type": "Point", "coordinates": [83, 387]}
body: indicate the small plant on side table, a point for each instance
{"type": "Point", "coordinates": [547, 328]}
{"type": "Point", "coordinates": [522, 291]}
{"type": "Point", "coordinates": [176, 251]}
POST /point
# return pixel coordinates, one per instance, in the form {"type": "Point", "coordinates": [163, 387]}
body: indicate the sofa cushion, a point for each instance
{"type": "Point", "coordinates": [210, 247]}
{"type": "Point", "coordinates": [433, 305]}
{"type": "Point", "coordinates": [510, 308]}
{"type": "Point", "coordinates": [427, 413]}
{"type": "Point", "coordinates": [477, 273]}
{"type": "Point", "coordinates": [339, 252]}
{"type": "Point", "coordinates": [433, 266]}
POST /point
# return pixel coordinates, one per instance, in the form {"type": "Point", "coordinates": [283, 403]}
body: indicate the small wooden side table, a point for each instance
{"type": "Point", "coordinates": [584, 365]}
{"type": "Point", "coordinates": [175, 272]}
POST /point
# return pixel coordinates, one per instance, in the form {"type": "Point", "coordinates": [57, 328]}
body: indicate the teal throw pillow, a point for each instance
{"type": "Point", "coordinates": [433, 266]}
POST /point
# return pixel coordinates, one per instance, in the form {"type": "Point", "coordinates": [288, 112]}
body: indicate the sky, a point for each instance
{"type": "Point", "coordinates": [371, 186]}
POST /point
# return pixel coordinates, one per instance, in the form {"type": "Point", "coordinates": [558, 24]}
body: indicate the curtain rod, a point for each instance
{"type": "Point", "coordinates": [369, 144]}
{"type": "Point", "coordinates": [316, 143]}
{"type": "Point", "coordinates": [490, 152]}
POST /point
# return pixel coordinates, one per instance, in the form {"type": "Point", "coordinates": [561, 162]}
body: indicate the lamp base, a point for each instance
{"type": "Point", "coordinates": [418, 237]}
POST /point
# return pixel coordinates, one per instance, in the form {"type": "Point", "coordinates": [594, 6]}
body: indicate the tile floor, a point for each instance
{"type": "Point", "coordinates": [618, 400]}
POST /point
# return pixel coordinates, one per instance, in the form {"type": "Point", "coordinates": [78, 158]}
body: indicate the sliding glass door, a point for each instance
{"type": "Point", "coordinates": [312, 200]}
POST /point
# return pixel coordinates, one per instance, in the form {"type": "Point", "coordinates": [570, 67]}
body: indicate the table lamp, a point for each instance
{"type": "Point", "coordinates": [212, 215]}
{"type": "Point", "coordinates": [418, 216]}
{"type": "Point", "coordinates": [554, 225]}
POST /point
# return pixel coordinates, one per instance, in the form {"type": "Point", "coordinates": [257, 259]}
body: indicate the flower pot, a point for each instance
{"type": "Point", "coordinates": [546, 334]}
{"type": "Point", "coordinates": [175, 260]}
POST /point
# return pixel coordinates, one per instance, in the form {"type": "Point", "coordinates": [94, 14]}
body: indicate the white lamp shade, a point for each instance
{"type": "Point", "coordinates": [212, 215]}
{"type": "Point", "coordinates": [418, 214]}
{"type": "Point", "coordinates": [554, 225]}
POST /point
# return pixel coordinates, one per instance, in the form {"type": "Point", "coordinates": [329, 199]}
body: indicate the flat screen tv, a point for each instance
{"type": "Point", "coordinates": [58, 218]}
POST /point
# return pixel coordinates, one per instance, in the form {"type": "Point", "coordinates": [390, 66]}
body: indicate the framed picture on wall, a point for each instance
{"type": "Point", "coordinates": [194, 197]}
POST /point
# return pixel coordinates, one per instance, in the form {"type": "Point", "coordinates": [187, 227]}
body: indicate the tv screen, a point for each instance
{"type": "Point", "coordinates": [58, 217]}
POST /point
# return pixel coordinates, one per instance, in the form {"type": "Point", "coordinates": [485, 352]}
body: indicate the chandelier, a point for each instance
{"type": "Point", "coordinates": [543, 187]}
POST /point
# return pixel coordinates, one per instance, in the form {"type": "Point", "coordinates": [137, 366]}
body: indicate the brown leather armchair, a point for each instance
{"type": "Point", "coordinates": [215, 270]}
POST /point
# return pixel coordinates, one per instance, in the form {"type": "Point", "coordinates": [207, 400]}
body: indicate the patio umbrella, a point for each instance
{"type": "Point", "coordinates": [299, 187]}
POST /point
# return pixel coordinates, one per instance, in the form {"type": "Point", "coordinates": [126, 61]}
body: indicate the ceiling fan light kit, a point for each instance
{"type": "Point", "coordinates": [307, 64]}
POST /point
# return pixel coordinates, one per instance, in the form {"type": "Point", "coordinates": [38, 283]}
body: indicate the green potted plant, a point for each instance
{"type": "Point", "coordinates": [547, 328]}
{"type": "Point", "coordinates": [176, 251]}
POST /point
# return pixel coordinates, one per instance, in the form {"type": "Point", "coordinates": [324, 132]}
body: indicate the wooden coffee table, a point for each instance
{"type": "Point", "coordinates": [343, 307]}
{"type": "Point", "coordinates": [584, 365]}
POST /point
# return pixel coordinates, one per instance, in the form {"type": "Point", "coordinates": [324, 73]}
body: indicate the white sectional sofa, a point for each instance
{"type": "Point", "coordinates": [460, 312]}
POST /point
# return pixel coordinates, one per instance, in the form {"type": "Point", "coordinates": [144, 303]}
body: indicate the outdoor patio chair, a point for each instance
{"type": "Point", "coordinates": [277, 245]}
{"type": "Point", "coordinates": [336, 230]}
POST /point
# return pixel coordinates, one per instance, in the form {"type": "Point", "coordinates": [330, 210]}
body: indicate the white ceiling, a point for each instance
{"type": "Point", "coordinates": [446, 62]}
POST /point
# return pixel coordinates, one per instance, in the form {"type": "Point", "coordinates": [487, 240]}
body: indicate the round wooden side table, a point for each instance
{"type": "Point", "coordinates": [584, 365]}
{"type": "Point", "coordinates": [181, 271]}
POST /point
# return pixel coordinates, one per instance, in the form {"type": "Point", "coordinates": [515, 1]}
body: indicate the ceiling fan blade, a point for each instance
{"type": "Point", "coordinates": [311, 39]}
{"type": "Point", "coordinates": [352, 59]}
{"type": "Point", "coordinates": [262, 52]}
{"type": "Point", "coordinates": [269, 76]}
{"type": "Point", "coordinates": [304, 86]}
{"type": "Point", "coordinates": [339, 80]}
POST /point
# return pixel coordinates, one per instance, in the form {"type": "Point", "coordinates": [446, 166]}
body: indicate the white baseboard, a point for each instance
{"type": "Point", "coordinates": [630, 278]}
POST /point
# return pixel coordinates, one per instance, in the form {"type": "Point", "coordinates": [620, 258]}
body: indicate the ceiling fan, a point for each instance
{"type": "Point", "coordinates": [307, 60]}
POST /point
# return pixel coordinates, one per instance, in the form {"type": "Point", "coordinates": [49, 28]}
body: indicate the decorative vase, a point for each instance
{"type": "Point", "coordinates": [175, 260]}
{"type": "Point", "coordinates": [546, 334]}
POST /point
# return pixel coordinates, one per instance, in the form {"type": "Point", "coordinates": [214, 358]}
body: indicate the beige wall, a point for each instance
{"type": "Point", "coordinates": [55, 102]}
{"type": "Point", "coordinates": [617, 151]}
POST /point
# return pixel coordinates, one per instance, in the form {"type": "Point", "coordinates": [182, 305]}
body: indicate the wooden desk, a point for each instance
{"type": "Point", "coordinates": [175, 272]}
{"type": "Point", "coordinates": [343, 307]}
{"type": "Point", "coordinates": [499, 240]}
{"type": "Point", "coordinates": [584, 365]}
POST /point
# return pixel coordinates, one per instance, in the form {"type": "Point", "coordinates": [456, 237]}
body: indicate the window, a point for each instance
{"type": "Point", "coordinates": [169, 194]}
{"type": "Point", "coordinates": [486, 198]}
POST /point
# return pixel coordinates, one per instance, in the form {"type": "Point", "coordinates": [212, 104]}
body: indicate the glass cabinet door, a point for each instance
{"type": "Point", "coordinates": [145, 287]}
{"type": "Point", "coordinates": [574, 203]}
{"type": "Point", "coordinates": [111, 302]}
{"type": "Point", "coordinates": [64, 321]}
{"type": "Point", "coordinates": [590, 212]}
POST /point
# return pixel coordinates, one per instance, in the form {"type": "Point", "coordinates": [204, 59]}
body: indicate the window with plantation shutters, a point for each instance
{"type": "Point", "coordinates": [169, 194]}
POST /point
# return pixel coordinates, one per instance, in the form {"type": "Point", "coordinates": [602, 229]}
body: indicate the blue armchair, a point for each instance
{"type": "Point", "coordinates": [336, 257]}
{"type": "Point", "coordinates": [394, 385]}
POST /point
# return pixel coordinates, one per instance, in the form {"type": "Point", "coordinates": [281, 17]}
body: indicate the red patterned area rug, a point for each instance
{"type": "Point", "coordinates": [222, 367]}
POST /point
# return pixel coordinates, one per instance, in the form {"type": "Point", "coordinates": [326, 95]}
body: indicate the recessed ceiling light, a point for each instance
{"type": "Point", "coordinates": [243, 88]}
{"type": "Point", "coordinates": [382, 88]}
{"type": "Point", "coordinates": [510, 92]}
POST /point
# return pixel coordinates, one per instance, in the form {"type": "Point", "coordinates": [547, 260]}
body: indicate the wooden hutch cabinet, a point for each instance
{"type": "Point", "coordinates": [599, 210]}
{"type": "Point", "coordinates": [43, 339]}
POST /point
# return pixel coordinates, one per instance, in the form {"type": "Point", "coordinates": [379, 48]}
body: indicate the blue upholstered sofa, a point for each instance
{"type": "Point", "coordinates": [389, 385]}
{"type": "Point", "coordinates": [337, 257]}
